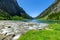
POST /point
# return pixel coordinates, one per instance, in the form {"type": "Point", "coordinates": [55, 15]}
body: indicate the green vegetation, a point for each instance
{"type": "Point", "coordinates": [54, 26]}
{"type": "Point", "coordinates": [53, 33]}
{"type": "Point", "coordinates": [51, 16]}
{"type": "Point", "coordinates": [54, 16]}
{"type": "Point", "coordinates": [25, 16]}
{"type": "Point", "coordinates": [51, 13]}
{"type": "Point", "coordinates": [17, 18]}
{"type": "Point", "coordinates": [6, 16]}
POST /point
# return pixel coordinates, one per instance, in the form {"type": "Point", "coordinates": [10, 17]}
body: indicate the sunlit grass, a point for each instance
{"type": "Point", "coordinates": [54, 26]}
{"type": "Point", "coordinates": [43, 34]}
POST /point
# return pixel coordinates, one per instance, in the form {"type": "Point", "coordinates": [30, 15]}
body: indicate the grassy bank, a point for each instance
{"type": "Point", "coordinates": [53, 33]}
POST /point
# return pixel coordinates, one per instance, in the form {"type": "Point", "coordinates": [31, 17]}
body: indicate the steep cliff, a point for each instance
{"type": "Point", "coordinates": [51, 10]}
{"type": "Point", "coordinates": [13, 9]}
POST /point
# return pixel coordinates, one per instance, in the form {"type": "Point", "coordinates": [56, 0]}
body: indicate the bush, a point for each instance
{"type": "Point", "coordinates": [17, 18]}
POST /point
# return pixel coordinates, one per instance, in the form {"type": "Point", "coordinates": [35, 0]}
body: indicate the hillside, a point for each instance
{"type": "Point", "coordinates": [9, 9]}
{"type": "Point", "coordinates": [52, 12]}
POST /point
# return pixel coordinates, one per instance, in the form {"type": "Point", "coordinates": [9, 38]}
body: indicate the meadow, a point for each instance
{"type": "Point", "coordinates": [52, 32]}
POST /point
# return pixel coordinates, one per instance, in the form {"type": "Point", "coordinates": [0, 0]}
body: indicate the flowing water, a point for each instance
{"type": "Point", "coordinates": [43, 21]}
{"type": "Point", "coordinates": [20, 27]}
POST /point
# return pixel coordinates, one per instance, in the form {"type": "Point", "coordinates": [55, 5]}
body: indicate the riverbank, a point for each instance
{"type": "Point", "coordinates": [12, 30]}
{"type": "Point", "coordinates": [52, 32]}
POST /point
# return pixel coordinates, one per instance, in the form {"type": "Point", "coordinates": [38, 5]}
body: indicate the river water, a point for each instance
{"type": "Point", "coordinates": [43, 21]}
{"type": "Point", "coordinates": [18, 27]}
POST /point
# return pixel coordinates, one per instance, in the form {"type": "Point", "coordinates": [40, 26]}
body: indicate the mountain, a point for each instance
{"type": "Point", "coordinates": [11, 8]}
{"type": "Point", "coordinates": [52, 12]}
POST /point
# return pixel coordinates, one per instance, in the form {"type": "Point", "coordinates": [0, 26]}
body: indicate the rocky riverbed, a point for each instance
{"type": "Point", "coordinates": [12, 30]}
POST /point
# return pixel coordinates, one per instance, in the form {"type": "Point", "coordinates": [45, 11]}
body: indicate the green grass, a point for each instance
{"type": "Point", "coordinates": [43, 34]}
{"type": "Point", "coordinates": [54, 26]}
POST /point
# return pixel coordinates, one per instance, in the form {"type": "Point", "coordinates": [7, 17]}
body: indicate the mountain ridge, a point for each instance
{"type": "Point", "coordinates": [13, 9]}
{"type": "Point", "coordinates": [54, 8]}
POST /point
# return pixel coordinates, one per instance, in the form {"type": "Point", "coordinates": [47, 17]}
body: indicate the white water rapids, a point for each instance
{"type": "Point", "coordinates": [19, 28]}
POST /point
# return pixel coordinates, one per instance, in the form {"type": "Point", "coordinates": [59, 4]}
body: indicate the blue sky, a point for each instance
{"type": "Point", "coordinates": [34, 7]}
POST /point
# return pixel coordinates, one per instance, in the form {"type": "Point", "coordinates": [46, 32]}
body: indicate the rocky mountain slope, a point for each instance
{"type": "Point", "coordinates": [12, 8]}
{"type": "Point", "coordinates": [52, 12]}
